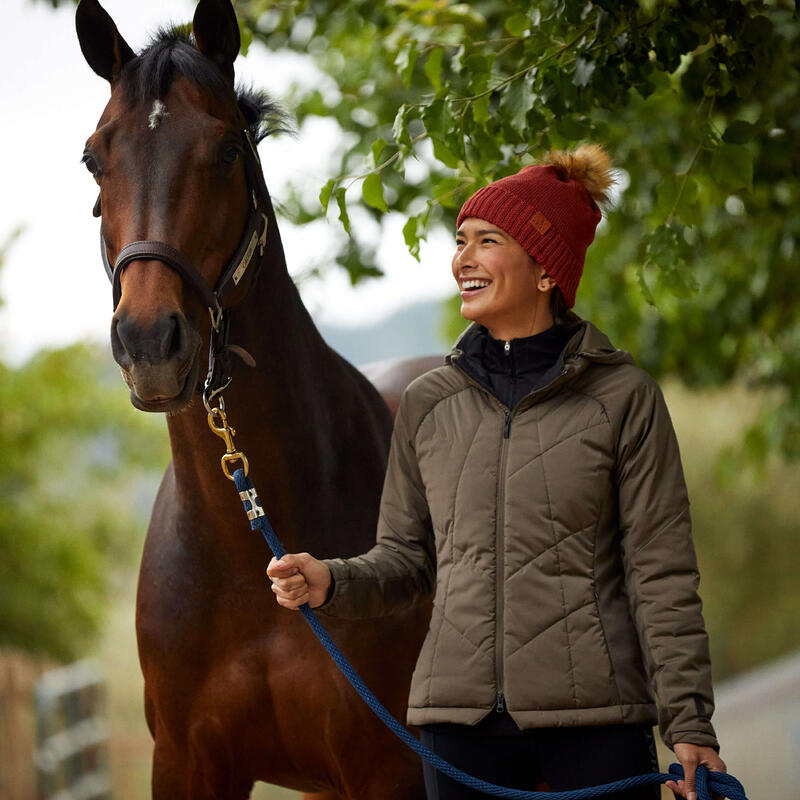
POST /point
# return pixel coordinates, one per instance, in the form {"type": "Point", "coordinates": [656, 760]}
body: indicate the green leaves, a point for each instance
{"type": "Point", "coordinates": [325, 193]}
{"type": "Point", "coordinates": [694, 108]}
{"type": "Point", "coordinates": [518, 24]}
{"type": "Point", "coordinates": [400, 126]}
{"type": "Point", "coordinates": [732, 167]}
{"type": "Point", "coordinates": [583, 71]}
{"type": "Point", "coordinates": [371, 189]}
{"type": "Point", "coordinates": [677, 196]}
{"type": "Point", "coordinates": [739, 132]}
{"type": "Point", "coordinates": [517, 99]}
{"type": "Point", "coordinates": [344, 217]}
{"type": "Point", "coordinates": [415, 230]}
{"type": "Point", "coordinates": [405, 62]}
{"type": "Point", "coordinates": [245, 37]}
{"type": "Point", "coordinates": [433, 67]}
{"type": "Point", "coordinates": [666, 247]}
{"type": "Point", "coordinates": [372, 192]}
{"type": "Point", "coordinates": [446, 132]}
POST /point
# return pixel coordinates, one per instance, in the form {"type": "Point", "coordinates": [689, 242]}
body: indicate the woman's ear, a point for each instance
{"type": "Point", "coordinates": [547, 283]}
{"type": "Point", "coordinates": [544, 283]}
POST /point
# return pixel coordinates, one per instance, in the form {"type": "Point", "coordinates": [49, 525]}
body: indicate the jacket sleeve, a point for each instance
{"type": "Point", "coordinates": [400, 568]}
{"type": "Point", "coordinates": [661, 568]}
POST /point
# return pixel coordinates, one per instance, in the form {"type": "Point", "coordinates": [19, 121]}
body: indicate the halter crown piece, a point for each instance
{"type": "Point", "coordinates": [254, 238]}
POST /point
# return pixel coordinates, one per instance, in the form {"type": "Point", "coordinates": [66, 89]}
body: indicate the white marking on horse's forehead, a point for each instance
{"type": "Point", "coordinates": [157, 113]}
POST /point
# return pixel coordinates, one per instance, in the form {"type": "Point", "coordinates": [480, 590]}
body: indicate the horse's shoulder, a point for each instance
{"type": "Point", "coordinates": [392, 376]}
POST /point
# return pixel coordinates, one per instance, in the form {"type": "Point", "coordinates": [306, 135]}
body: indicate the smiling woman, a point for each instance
{"type": "Point", "coordinates": [501, 235]}
{"type": "Point", "coordinates": [499, 281]}
{"type": "Point", "coordinates": [535, 482]}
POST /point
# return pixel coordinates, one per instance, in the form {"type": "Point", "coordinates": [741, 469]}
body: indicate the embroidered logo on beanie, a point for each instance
{"type": "Point", "coordinates": [540, 222]}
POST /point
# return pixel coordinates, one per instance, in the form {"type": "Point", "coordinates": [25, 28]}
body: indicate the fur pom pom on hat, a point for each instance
{"type": "Point", "coordinates": [551, 209]}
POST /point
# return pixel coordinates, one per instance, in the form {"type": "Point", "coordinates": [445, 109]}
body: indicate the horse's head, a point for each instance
{"type": "Point", "coordinates": [172, 156]}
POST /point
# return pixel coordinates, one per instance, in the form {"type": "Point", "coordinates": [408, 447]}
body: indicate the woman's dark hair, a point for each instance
{"type": "Point", "coordinates": [559, 308]}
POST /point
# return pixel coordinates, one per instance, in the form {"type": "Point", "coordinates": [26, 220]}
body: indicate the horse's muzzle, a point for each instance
{"type": "Point", "coordinates": [159, 362]}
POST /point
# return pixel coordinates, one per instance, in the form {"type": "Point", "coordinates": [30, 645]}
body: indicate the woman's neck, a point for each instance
{"type": "Point", "coordinates": [506, 330]}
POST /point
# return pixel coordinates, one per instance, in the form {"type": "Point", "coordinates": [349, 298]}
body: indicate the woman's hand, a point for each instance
{"type": "Point", "coordinates": [690, 756]}
{"type": "Point", "coordinates": [299, 578]}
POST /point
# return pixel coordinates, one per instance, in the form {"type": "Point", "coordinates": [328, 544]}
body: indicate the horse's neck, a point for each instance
{"type": "Point", "coordinates": [275, 327]}
{"type": "Point", "coordinates": [286, 410]}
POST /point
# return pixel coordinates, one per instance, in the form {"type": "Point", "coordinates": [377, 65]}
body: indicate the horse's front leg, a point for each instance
{"type": "Point", "coordinates": [168, 778]}
{"type": "Point", "coordinates": [202, 770]}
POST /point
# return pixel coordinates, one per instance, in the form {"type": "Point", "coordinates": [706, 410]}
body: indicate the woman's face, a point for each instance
{"type": "Point", "coordinates": [498, 280]}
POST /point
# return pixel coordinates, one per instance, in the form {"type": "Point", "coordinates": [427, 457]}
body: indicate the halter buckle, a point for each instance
{"type": "Point", "coordinates": [216, 316]}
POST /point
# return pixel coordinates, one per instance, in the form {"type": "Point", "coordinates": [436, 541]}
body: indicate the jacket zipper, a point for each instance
{"type": "Point", "coordinates": [500, 704]}
{"type": "Point", "coordinates": [513, 376]}
{"type": "Point", "coordinates": [500, 564]}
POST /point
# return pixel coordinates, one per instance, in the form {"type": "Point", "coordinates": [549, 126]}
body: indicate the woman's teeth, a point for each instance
{"type": "Point", "coordinates": [474, 284]}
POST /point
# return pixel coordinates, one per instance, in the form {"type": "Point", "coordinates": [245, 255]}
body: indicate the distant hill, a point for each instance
{"type": "Point", "coordinates": [412, 331]}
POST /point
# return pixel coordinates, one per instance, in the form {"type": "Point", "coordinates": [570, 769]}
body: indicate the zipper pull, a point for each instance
{"type": "Point", "coordinates": [501, 703]}
{"type": "Point", "coordinates": [507, 348]}
{"type": "Point", "coordinates": [507, 426]}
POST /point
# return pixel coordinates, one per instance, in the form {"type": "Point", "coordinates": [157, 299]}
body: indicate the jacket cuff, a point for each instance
{"type": "Point", "coordinates": [700, 738]}
{"type": "Point", "coordinates": [335, 590]}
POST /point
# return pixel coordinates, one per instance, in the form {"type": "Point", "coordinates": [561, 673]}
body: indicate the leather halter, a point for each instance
{"type": "Point", "coordinates": [254, 238]}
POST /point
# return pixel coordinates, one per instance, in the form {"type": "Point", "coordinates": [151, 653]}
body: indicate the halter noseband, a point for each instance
{"type": "Point", "coordinates": [254, 238]}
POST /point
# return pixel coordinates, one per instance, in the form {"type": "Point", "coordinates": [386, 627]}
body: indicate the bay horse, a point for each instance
{"type": "Point", "coordinates": [236, 688]}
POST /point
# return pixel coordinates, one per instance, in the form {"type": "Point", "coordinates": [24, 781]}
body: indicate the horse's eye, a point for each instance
{"type": "Point", "coordinates": [91, 164]}
{"type": "Point", "coordinates": [230, 154]}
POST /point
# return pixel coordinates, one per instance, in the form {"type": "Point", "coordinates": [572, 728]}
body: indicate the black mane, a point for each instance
{"type": "Point", "coordinates": [172, 52]}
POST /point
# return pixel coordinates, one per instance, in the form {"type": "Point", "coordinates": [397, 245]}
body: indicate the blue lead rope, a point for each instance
{"type": "Point", "coordinates": [720, 783]}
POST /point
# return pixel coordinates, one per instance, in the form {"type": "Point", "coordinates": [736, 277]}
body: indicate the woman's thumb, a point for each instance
{"type": "Point", "coordinates": [284, 566]}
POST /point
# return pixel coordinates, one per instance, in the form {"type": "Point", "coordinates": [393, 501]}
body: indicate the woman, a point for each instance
{"type": "Point", "coordinates": [534, 483]}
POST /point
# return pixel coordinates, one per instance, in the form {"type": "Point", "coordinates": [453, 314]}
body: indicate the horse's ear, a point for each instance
{"type": "Point", "coordinates": [102, 46]}
{"type": "Point", "coordinates": [216, 33]}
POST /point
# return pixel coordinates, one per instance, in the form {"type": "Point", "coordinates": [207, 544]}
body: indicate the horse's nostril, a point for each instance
{"type": "Point", "coordinates": [171, 336]}
{"type": "Point", "coordinates": [163, 341]}
{"type": "Point", "coordinates": [119, 348]}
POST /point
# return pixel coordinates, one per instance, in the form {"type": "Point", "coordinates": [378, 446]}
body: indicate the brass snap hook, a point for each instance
{"type": "Point", "coordinates": [226, 433]}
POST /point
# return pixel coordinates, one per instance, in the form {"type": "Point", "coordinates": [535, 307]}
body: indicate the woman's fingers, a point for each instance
{"type": "Point", "coordinates": [290, 588]}
{"type": "Point", "coordinates": [690, 757]}
{"type": "Point", "coordinates": [292, 605]}
{"type": "Point", "coordinates": [290, 592]}
{"type": "Point", "coordinates": [299, 578]}
{"type": "Point", "coordinates": [288, 584]}
{"type": "Point", "coordinates": [282, 568]}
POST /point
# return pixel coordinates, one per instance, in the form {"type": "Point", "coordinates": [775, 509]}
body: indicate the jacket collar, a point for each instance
{"type": "Point", "coordinates": [588, 344]}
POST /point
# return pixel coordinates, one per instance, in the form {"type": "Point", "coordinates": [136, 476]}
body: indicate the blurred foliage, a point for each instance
{"type": "Point", "coordinates": [745, 532]}
{"type": "Point", "coordinates": [696, 271]}
{"type": "Point", "coordinates": [73, 458]}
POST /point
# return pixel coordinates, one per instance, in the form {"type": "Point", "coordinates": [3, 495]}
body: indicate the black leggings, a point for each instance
{"type": "Point", "coordinates": [558, 759]}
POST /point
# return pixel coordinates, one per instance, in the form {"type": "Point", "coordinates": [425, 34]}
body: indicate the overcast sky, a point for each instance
{"type": "Point", "coordinates": [53, 284]}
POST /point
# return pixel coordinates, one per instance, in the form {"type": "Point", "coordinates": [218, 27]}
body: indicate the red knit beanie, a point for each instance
{"type": "Point", "coordinates": [551, 209]}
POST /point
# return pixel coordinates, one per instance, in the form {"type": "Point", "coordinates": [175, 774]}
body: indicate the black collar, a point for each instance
{"type": "Point", "coordinates": [510, 370]}
{"type": "Point", "coordinates": [529, 354]}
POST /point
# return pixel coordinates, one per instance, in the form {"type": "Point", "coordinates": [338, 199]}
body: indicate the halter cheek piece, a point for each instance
{"type": "Point", "coordinates": [254, 238]}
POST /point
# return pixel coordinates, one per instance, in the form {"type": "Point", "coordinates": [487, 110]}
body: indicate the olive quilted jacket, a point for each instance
{"type": "Point", "coordinates": [556, 538]}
